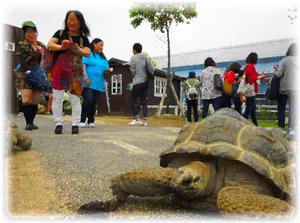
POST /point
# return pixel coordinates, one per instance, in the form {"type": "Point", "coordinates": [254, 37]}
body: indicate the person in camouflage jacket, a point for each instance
{"type": "Point", "coordinates": [191, 88]}
{"type": "Point", "coordinates": [29, 53]}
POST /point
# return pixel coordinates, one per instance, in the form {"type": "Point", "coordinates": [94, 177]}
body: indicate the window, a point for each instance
{"type": "Point", "coordinates": [116, 84]}
{"type": "Point", "coordinates": [160, 84]}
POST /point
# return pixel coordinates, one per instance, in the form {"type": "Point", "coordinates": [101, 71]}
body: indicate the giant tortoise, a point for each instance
{"type": "Point", "coordinates": [223, 163]}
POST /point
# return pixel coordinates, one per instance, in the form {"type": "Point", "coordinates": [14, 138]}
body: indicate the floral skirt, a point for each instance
{"type": "Point", "coordinates": [67, 74]}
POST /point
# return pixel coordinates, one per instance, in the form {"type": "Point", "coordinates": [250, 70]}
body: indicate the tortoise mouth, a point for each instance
{"type": "Point", "coordinates": [186, 182]}
{"type": "Point", "coordinates": [188, 193]}
{"type": "Point", "coordinates": [187, 188]}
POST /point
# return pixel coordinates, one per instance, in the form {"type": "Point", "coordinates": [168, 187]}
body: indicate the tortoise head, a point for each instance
{"type": "Point", "coordinates": [194, 180]}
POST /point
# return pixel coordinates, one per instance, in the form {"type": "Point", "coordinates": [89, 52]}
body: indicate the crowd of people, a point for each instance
{"type": "Point", "coordinates": [78, 68]}
{"type": "Point", "coordinates": [234, 79]}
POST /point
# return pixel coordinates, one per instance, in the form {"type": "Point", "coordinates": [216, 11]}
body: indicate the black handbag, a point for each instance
{"type": "Point", "coordinates": [273, 90]}
{"type": "Point", "coordinates": [218, 83]}
{"type": "Point", "coordinates": [38, 78]}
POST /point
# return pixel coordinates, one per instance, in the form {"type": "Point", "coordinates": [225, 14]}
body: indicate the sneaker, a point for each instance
{"type": "Point", "coordinates": [291, 135]}
{"type": "Point", "coordinates": [34, 126]}
{"type": "Point", "coordinates": [75, 129]}
{"type": "Point", "coordinates": [91, 125]}
{"type": "Point", "coordinates": [135, 122]}
{"type": "Point", "coordinates": [28, 127]}
{"type": "Point", "coordinates": [81, 125]}
{"type": "Point", "coordinates": [58, 129]}
{"type": "Point", "coordinates": [20, 114]}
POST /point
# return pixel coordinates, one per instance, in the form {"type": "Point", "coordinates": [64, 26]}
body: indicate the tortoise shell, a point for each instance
{"type": "Point", "coordinates": [228, 135]}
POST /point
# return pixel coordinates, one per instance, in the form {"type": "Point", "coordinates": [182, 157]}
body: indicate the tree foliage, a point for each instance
{"type": "Point", "coordinates": [161, 16]}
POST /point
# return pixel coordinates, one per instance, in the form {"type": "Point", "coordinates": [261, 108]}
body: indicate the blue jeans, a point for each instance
{"type": "Point", "coordinates": [89, 104]}
{"type": "Point", "coordinates": [251, 109]}
{"type": "Point", "coordinates": [216, 103]}
{"type": "Point", "coordinates": [139, 91]}
{"type": "Point", "coordinates": [282, 101]}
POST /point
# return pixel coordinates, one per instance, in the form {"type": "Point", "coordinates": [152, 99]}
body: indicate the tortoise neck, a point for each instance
{"type": "Point", "coordinates": [212, 177]}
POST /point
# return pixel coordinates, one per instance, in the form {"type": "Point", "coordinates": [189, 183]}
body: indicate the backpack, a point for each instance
{"type": "Point", "coordinates": [192, 92]}
{"type": "Point", "coordinates": [149, 69]}
{"type": "Point", "coordinates": [227, 88]}
{"type": "Point", "coordinates": [218, 83]}
{"type": "Point", "coordinates": [272, 92]}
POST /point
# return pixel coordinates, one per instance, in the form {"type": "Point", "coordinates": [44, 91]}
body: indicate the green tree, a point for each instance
{"type": "Point", "coordinates": [162, 17]}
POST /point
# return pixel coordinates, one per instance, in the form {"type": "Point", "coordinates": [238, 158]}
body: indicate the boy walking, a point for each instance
{"type": "Point", "coordinates": [140, 81]}
{"type": "Point", "coordinates": [191, 89]}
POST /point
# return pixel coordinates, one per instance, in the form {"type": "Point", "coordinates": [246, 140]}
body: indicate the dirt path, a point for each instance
{"type": "Point", "coordinates": [31, 191]}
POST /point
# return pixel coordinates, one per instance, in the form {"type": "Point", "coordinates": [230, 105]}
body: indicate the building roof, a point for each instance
{"type": "Point", "coordinates": [157, 72]}
{"type": "Point", "coordinates": [264, 49]}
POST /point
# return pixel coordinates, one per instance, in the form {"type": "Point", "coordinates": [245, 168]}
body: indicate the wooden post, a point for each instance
{"type": "Point", "coordinates": [107, 97]}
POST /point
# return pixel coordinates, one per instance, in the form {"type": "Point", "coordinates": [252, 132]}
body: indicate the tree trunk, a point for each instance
{"type": "Point", "coordinates": [160, 106]}
{"type": "Point", "coordinates": [180, 106]}
{"type": "Point", "coordinates": [169, 82]}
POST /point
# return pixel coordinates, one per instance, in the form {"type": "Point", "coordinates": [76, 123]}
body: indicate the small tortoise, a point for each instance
{"type": "Point", "coordinates": [223, 163]}
{"type": "Point", "coordinates": [17, 140]}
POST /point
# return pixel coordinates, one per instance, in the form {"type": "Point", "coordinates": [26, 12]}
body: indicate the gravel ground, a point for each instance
{"type": "Point", "coordinates": [82, 165]}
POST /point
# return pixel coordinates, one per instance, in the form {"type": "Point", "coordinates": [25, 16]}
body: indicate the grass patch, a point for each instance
{"type": "Point", "coordinates": [267, 123]}
{"type": "Point", "coordinates": [166, 121]}
{"type": "Point", "coordinates": [163, 121]}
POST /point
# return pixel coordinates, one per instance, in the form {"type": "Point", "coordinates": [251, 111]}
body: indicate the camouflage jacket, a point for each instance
{"type": "Point", "coordinates": [193, 82]}
{"type": "Point", "coordinates": [26, 56]}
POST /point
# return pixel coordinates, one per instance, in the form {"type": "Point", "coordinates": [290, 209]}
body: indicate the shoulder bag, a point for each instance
{"type": "Point", "coordinates": [38, 78]}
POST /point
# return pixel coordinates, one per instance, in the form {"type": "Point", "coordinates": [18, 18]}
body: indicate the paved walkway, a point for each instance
{"type": "Point", "coordinates": [82, 165]}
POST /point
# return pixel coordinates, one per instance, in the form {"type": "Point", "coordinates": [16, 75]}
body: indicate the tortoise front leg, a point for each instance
{"type": "Point", "coordinates": [144, 183]}
{"type": "Point", "coordinates": [241, 201]}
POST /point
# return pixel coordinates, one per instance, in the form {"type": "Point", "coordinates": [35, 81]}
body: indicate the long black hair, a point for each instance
{"type": "Point", "coordinates": [95, 41]}
{"type": "Point", "coordinates": [235, 67]}
{"type": "Point", "coordinates": [84, 30]}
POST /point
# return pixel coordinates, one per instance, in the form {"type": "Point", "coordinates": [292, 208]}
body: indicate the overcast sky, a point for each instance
{"type": "Point", "coordinates": [219, 23]}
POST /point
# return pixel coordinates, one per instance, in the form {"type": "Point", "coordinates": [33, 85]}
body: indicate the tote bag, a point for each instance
{"type": "Point", "coordinates": [246, 89]}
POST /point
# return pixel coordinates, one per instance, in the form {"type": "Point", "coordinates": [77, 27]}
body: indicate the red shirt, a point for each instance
{"type": "Point", "coordinates": [251, 75]}
{"type": "Point", "coordinates": [229, 77]}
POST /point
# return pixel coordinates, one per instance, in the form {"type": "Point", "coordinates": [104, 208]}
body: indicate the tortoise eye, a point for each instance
{"type": "Point", "coordinates": [197, 178]}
